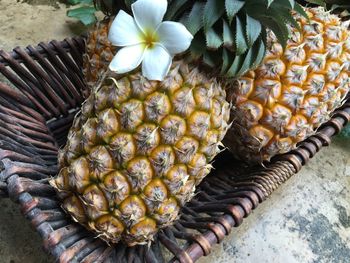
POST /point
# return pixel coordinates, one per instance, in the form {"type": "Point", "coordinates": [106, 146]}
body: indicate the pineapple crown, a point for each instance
{"type": "Point", "coordinates": [230, 36]}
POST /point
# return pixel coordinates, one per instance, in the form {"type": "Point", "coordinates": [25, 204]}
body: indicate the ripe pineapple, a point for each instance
{"type": "Point", "coordinates": [138, 149]}
{"type": "Point", "coordinates": [261, 101]}
{"type": "Point", "coordinates": [294, 90]}
{"type": "Point", "coordinates": [99, 53]}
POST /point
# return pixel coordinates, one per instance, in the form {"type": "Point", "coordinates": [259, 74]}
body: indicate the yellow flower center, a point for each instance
{"type": "Point", "coordinates": [150, 38]}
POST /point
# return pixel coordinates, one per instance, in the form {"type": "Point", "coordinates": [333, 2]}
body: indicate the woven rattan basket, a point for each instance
{"type": "Point", "coordinates": [44, 91]}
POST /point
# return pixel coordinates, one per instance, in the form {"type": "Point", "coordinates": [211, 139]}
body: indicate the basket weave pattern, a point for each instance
{"type": "Point", "coordinates": [35, 117]}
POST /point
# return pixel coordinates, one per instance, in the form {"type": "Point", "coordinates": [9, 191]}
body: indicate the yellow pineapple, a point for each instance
{"type": "Point", "coordinates": [138, 149]}
{"type": "Point", "coordinates": [99, 53]}
{"type": "Point", "coordinates": [293, 91]}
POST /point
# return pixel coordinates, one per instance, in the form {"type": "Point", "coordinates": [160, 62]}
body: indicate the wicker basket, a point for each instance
{"type": "Point", "coordinates": [34, 120]}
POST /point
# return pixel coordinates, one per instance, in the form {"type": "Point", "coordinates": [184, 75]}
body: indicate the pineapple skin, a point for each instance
{"type": "Point", "coordinates": [294, 91]}
{"type": "Point", "coordinates": [99, 53]}
{"type": "Point", "coordinates": [137, 150]}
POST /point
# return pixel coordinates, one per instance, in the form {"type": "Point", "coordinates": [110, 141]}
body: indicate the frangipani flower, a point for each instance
{"type": "Point", "coordinates": [146, 39]}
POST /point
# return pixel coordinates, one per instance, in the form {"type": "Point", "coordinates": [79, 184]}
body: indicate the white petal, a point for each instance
{"type": "Point", "coordinates": [156, 63]}
{"type": "Point", "coordinates": [127, 59]}
{"type": "Point", "coordinates": [174, 37]}
{"type": "Point", "coordinates": [124, 31]}
{"type": "Point", "coordinates": [149, 13]}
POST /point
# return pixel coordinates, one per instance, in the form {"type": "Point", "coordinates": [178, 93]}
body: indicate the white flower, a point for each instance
{"type": "Point", "coordinates": [146, 39]}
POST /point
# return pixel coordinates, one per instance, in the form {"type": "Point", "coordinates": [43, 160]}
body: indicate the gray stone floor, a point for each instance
{"type": "Point", "coordinates": [306, 220]}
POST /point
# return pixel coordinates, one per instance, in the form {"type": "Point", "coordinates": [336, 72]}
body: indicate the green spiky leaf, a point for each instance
{"type": "Point", "coordinates": [194, 21]}
{"type": "Point", "coordinates": [174, 8]}
{"type": "Point", "coordinates": [198, 46]}
{"type": "Point", "coordinates": [232, 8]}
{"type": "Point", "coordinates": [226, 60]}
{"type": "Point", "coordinates": [290, 3]}
{"type": "Point", "coordinates": [269, 2]}
{"type": "Point", "coordinates": [228, 35]}
{"type": "Point", "coordinates": [259, 50]}
{"type": "Point", "coordinates": [213, 11]}
{"type": "Point", "coordinates": [298, 8]}
{"type": "Point", "coordinates": [214, 41]}
{"type": "Point", "coordinates": [247, 62]}
{"type": "Point", "coordinates": [237, 62]}
{"type": "Point", "coordinates": [280, 30]}
{"type": "Point", "coordinates": [283, 13]}
{"type": "Point", "coordinates": [251, 59]}
{"type": "Point", "coordinates": [253, 29]}
{"type": "Point", "coordinates": [240, 40]}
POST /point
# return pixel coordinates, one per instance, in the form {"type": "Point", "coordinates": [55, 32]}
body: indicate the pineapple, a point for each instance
{"type": "Point", "coordinates": [99, 53]}
{"type": "Point", "coordinates": [293, 91]}
{"type": "Point", "coordinates": [271, 114]}
{"type": "Point", "coordinates": [138, 149]}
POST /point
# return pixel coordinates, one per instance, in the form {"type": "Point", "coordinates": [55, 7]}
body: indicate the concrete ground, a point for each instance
{"type": "Point", "coordinates": [307, 220]}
